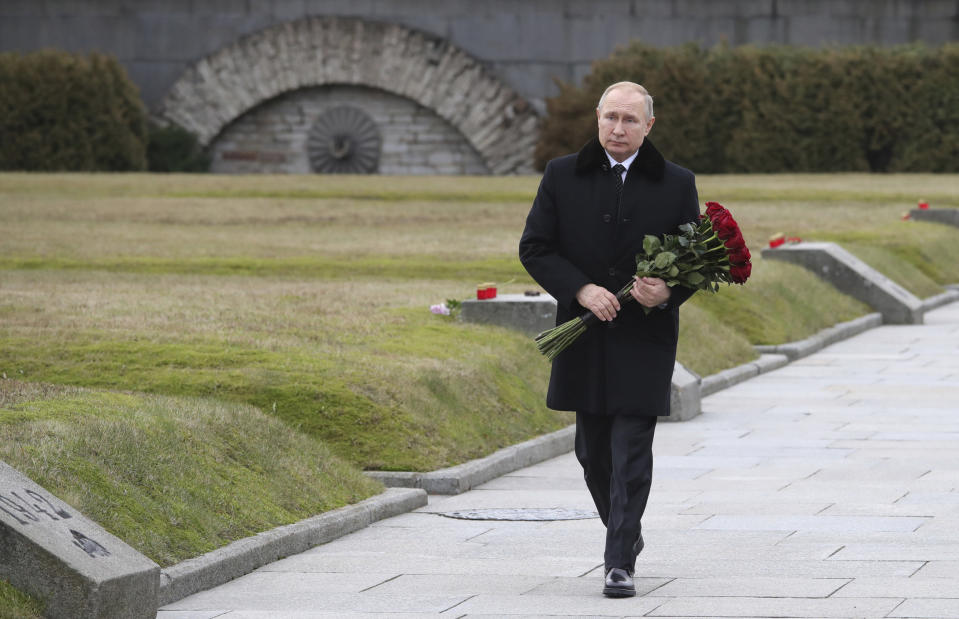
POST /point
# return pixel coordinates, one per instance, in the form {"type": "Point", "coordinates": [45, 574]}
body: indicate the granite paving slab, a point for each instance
{"type": "Point", "coordinates": [776, 607]}
{"type": "Point", "coordinates": [751, 567]}
{"type": "Point", "coordinates": [525, 605]}
{"type": "Point", "coordinates": [909, 549]}
{"type": "Point", "coordinates": [752, 586]}
{"type": "Point", "coordinates": [760, 508]}
{"type": "Point", "coordinates": [313, 600]}
{"type": "Point", "coordinates": [837, 524]}
{"type": "Point", "coordinates": [927, 608]}
{"type": "Point", "coordinates": [938, 569]}
{"type": "Point", "coordinates": [460, 584]}
{"type": "Point", "coordinates": [915, 587]}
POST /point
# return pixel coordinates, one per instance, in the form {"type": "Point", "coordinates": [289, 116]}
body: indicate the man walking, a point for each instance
{"type": "Point", "coordinates": [582, 234]}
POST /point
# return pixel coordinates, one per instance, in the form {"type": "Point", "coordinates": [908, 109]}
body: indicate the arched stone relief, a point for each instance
{"type": "Point", "coordinates": [344, 140]}
{"type": "Point", "coordinates": [499, 124]}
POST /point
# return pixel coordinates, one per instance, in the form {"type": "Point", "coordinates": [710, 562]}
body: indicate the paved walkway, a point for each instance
{"type": "Point", "coordinates": [828, 488]}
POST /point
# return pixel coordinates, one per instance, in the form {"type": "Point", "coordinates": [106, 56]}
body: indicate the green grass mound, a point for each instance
{"type": "Point", "coordinates": [382, 387]}
{"type": "Point", "coordinates": [780, 303]}
{"type": "Point", "coordinates": [173, 477]}
{"type": "Point", "coordinates": [15, 604]}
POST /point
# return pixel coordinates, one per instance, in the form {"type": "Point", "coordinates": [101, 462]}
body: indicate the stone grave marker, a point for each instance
{"type": "Point", "coordinates": [854, 277]}
{"type": "Point", "coordinates": [949, 216]}
{"type": "Point", "coordinates": [52, 551]}
{"type": "Point", "coordinates": [529, 314]}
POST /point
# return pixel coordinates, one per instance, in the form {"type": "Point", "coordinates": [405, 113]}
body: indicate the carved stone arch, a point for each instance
{"type": "Point", "coordinates": [318, 51]}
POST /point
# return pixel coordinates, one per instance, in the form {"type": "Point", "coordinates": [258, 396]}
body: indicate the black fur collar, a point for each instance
{"type": "Point", "coordinates": [648, 161]}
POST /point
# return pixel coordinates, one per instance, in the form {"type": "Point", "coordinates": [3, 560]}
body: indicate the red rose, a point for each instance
{"type": "Point", "coordinates": [725, 226]}
{"type": "Point", "coordinates": [712, 208]}
{"type": "Point", "coordinates": [740, 273]}
{"type": "Point", "coordinates": [736, 241]}
{"type": "Point", "coordinates": [739, 256]}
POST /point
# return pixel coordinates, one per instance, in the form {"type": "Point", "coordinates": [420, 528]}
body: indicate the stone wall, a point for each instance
{"type": "Point", "coordinates": [272, 137]}
{"type": "Point", "coordinates": [526, 43]}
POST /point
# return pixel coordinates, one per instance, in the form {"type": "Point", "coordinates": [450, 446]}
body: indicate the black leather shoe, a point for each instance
{"type": "Point", "coordinates": [619, 584]}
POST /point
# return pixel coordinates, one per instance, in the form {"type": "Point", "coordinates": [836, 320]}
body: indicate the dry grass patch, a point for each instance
{"type": "Point", "coordinates": [297, 186]}
{"type": "Point", "coordinates": [95, 227]}
{"type": "Point", "coordinates": [132, 223]}
{"type": "Point", "coordinates": [903, 191]}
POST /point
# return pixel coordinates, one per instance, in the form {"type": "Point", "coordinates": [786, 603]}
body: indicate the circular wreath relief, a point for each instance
{"type": "Point", "coordinates": [344, 140]}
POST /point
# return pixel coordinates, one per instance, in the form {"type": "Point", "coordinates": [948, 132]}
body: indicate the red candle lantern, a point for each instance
{"type": "Point", "coordinates": [486, 291]}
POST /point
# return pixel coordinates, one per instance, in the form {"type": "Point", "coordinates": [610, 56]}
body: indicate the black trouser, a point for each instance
{"type": "Point", "coordinates": [616, 452]}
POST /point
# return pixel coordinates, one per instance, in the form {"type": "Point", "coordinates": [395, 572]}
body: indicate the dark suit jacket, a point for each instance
{"type": "Point", "coordinates": [576, 234]}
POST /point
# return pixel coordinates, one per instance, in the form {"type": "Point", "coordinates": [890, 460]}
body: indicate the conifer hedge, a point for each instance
{"type": "Point", "coordinates": [172, 148]}
{"type": "Point", "coordinates": [61, 111]}
{"type": "Point", "coordinates": [779, 108]}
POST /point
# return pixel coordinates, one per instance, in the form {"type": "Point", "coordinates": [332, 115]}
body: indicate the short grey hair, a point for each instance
{"type": "Point", "coordinates": [634, 87]}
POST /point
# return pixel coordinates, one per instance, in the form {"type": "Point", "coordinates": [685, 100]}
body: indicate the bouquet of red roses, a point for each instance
{"type": "Point", "coordinates": [701, 256]}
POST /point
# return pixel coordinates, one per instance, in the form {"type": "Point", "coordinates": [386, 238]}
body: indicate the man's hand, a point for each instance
{"type": "Point", "coordinates": [650, 291]}
{"type": "Point", "coordinates": [598, 300]}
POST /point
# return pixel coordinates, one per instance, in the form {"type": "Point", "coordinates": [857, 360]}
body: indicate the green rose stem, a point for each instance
{"type": "Point", "coordinates": [556, 340]}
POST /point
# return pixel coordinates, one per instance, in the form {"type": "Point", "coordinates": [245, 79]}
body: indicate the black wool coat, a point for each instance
{"type": "Point", "coordinates": [577, 234]}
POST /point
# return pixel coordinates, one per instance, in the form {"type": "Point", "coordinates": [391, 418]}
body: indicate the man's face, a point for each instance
{"type": "Point", "coordinates": [623, 123]}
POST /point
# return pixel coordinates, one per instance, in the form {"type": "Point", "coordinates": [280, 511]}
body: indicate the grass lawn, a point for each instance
{"type": "Point", "coordinates": [300, 302]}
{"type": "Point", "coordinates": [15, 604]}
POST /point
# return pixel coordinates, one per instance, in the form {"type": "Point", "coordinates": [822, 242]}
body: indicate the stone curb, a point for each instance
{"type": "Point", "coordinates": [729, 377]}
{"type": "Point", "coordinates": [243, 556]}
{"type": "Point", "coordinates": [829, 335]}
{"type": "Point", "coordinates": [460, 478]}
{"type": "Point", "coordinates": [943, 298]}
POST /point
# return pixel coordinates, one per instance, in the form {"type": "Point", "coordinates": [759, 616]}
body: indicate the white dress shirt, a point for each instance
{"type": "Point", "coordinates": [628, 162]}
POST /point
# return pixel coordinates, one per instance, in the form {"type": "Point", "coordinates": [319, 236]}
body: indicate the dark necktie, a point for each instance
{"type": "Point", "coordinates": [618, 169]}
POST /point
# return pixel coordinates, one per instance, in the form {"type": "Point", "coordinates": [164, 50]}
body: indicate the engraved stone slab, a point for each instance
{"type": "Point", "coordinates": [854, 277]}
{"type": "Point", "coordinates": [948, 216]}
{"type": "Point", "coordinates": [54, 552]}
